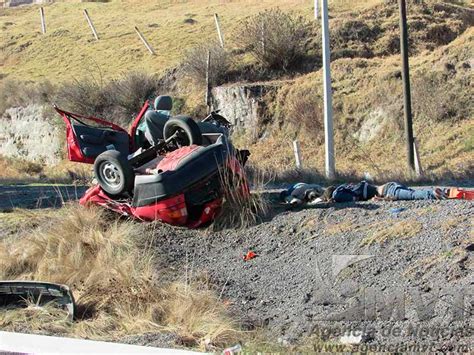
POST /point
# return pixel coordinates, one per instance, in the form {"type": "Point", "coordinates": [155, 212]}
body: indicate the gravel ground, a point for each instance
{"type": "Point", "coordinates": [417, 262]}
{"type": "Point", "coordinates": [395, 272]}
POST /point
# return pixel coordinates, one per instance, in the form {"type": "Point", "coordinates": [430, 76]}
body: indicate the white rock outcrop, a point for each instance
{"type": "Point", "coordinates": [26, 133]}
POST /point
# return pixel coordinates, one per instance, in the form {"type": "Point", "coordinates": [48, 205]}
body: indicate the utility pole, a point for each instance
{"type": "Point", "coordinates": [328, 124]}
{"type": "Point", "coordinates": [406, 84]}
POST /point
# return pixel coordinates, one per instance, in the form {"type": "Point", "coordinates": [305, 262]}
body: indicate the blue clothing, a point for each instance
{"type": "Point", "coordinates": [398, 191]}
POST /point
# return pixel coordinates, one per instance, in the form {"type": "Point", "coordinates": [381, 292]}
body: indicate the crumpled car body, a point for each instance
{"type": "Point", "coordinates": [187, 191]}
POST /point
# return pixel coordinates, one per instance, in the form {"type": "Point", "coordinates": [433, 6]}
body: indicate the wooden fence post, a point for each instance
{"type": "Point", "coordinates": [296, 149]}
{"type": "Point", "coordinates": [145, 42]}
{"type": "Point", "coordinates": [418, 169]}
{"type": "Point", "coordinates": [43, 22]}
{"type": "Point", "coordinates": [219, 32]}
{"type": "Point", "coordinates": [91, 25]}
{"type": "Point", "coordinates": [208, 82]}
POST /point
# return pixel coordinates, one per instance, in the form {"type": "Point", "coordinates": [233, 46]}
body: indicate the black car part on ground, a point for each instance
{"type": "Point", "coordinates": [20, 294]}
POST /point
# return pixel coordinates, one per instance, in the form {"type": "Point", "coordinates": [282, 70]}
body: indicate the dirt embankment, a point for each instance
{"type": "Point", "coordinates": [396, 272]}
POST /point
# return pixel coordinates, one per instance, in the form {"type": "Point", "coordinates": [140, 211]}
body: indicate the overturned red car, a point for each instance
{"type": "Point", "coordinates": [179, 176]}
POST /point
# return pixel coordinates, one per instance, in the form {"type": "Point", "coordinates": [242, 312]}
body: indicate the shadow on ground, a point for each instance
{"type": "Point", "coordinates": [38, 196]}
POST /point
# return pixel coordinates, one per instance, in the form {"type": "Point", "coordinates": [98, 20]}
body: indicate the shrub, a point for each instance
{"type": "Point", "coordinates": [276, 39]}
{"type": "Point", "coordinates": [303, 109]}
{"type": "Point", "coordinates": [15, 93]}
{"type": "Point", "coordinates": [85, 96]}
{"type": "Point", "coordinates": [130, 91]}
{"type": "Point", "coordinates": [118, 101]}
{"type": "Point", "coordinates": [194, 65]}
{"type": "Point", "coordinates": [300, 105]}
{"type": "Point", "coordinates": [436, 100]}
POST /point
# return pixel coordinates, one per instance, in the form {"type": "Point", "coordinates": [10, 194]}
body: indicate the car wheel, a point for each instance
{"type": "Point", "coordinates": [114, 173]}
{"type": "Point", "coordinates": [188, 132]}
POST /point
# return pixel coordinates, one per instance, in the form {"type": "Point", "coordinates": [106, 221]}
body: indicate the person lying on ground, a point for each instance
{"type": "Point", "coordinates": [392, 191]}
{"type": "Point", "coordinates": [300, 193]}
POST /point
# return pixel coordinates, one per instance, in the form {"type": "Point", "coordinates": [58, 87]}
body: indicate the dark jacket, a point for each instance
{"type": "Point", "coordinates": [363, 191]}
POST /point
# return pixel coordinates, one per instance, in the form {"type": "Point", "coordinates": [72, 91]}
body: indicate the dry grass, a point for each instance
{"type": "Point", "coordinates": [421, 268]}
{"type": "Point", "coordinates": [69, 51]}
{"type": "Point", "coordinates": [386, 232]}
{"type": "Point", "coordinates": [339, 228]}
{"type": "Point", "coordinates": [20, 221]}
{"type": "Point", "coordinates": [241, 208]}
{"type": "Point", "coordinates": [369, 90]}
{"type": "Point", "coordinates": [14, 170]}
{"type": "Point", "coordinates": [113, 279]}
{"type": "Point", "coordinates": [452, 223]}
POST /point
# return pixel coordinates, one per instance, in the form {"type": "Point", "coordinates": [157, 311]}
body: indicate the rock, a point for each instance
{"type": "Point", "coordinates": [243, 105]}
{"type": "Point", "coordinates": [371, 126]}
{"type": "Point", "coordinates": [469, 247]}
{"type": "Point", "coordinates": [28, 134]}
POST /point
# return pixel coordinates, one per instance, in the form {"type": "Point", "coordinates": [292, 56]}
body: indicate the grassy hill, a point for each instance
{"type": "Point", "coordinates": [368, 101]}
{"type": "Point", "coordinates": [69, 50]}
{"type": "Point", "coordinates": [365, 67]}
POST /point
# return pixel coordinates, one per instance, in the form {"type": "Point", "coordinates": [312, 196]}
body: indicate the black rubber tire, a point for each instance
{"type": "Point", "coordinates": [186, 124]}
{"type": "Point", "coordinates": [110, 166]}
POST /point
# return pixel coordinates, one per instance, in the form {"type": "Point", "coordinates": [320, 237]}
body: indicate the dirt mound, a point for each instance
{"type": "Point", "coordinates": [395, 272]}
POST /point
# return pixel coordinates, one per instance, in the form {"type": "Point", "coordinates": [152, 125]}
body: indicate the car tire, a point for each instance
{"type": "Point", "coordinates": [114, 173]}
{"type": "Point", "coordinates": [187, 125]}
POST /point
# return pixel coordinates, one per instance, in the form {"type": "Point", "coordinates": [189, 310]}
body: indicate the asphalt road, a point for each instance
{"type": "Point", "coordinates": [38, 196]}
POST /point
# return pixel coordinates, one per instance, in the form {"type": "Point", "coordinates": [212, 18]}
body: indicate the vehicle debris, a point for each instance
{"type": "Point", "coordinates": [167, 168]}
{"type": "Point", "coordinates": [250, 255]}
{"type": "Point", "coordinates": [19, 294]}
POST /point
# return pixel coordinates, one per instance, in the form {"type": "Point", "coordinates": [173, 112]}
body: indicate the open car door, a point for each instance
{"type": "Point", "coordinates": [87, 137]}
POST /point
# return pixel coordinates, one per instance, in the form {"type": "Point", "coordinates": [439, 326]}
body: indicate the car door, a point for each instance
{"type": "Point", "coordinates": [87, 137]}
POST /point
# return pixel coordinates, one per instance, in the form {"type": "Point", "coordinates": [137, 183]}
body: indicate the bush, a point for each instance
{"type": "Point", "coordinates": [303, 110]}
{"type": "Point", "coordinates": [15, 93]}
{"type": "Point", "coordinates": [300, 105]}
{"type": "Point", "coordinates": [436, 99]}
{"type": "Point", "coordinates": [276, 39]}
{"type": "Point", "coordinates": [194, 65]}
{"type": "Point", "coordinates": [85, 96]}
{"type": "Point", "coordinates": [117, 101]}
{"type": "Point", "coordinates": [130, 91]}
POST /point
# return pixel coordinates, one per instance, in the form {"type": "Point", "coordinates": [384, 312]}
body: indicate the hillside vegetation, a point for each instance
{"type": "Point", "coordinates": [368, 114]}
{"type": "Point", "coordinates": [68, 50]}
{"type": "Point", "coordinates": [113, 76]}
